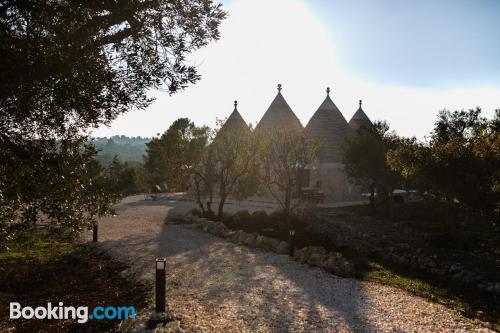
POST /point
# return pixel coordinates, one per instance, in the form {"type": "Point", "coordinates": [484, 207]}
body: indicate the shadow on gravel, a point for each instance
{"type": "Point", "coordinates": [147, 202]}
{"type": "Point", "coordinates": [251, 289]}
{"type": "Point", "coordinates": [257, 286]}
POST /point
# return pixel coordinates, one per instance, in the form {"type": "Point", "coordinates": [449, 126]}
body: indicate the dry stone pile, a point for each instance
{"type": "Point", "coordinates": [317, 256]}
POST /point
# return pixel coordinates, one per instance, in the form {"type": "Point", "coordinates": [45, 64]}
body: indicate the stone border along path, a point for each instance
{"type": "Point", "coordinates": [216, 286]}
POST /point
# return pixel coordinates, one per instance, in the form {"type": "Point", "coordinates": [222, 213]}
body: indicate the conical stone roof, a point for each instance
{"type": "Point", "coordinates": [328, 125]}
{"type": "Point", "coordinates": [279, 115]}
{"type": "Point", "coordinates": [359, 119]}
{"type": "Point", "coordinates": [235, 120]}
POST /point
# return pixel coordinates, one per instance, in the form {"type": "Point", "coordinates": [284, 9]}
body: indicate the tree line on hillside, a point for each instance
{"type": "Point", "coordinates": [127, 149]}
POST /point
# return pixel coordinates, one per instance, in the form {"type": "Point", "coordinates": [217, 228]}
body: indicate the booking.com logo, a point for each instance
{"type": "Point", "coordinates": [80, 313]}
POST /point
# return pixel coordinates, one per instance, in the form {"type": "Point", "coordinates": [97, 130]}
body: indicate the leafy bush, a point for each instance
{"type": "Point", "coordinates": [58, 181]}
{"type": "Point", "coordinates": [458, 165]}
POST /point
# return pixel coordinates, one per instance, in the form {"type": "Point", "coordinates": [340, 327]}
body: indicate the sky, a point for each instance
{"type": "Point", "coordinates": [405, 59]}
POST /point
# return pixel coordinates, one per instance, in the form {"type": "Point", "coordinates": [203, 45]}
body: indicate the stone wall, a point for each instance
{"type": "Point", "coordinates": [333, 181]}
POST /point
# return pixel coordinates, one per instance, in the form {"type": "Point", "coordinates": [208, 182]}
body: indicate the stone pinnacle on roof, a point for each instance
{"type": "Point", "coordinates": [359, 119]}
{"type": "Point", "coordinates": [235, 120]}
{"type": "Point", "coordinates": [279, 115]}
{"type": "Point", "coordinates": [330, 127]}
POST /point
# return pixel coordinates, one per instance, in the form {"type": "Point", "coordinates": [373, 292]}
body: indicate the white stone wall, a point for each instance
{"type": "Point", "coordinates": [334, 182]}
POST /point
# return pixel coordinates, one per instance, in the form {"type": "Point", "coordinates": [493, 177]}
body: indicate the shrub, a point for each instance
{"type": "Point", "coordinates": [242, 220]}
{"type": "Point", "coordinates": [260, 220]}
{"type": "Point", "coordinates": [195, 212]}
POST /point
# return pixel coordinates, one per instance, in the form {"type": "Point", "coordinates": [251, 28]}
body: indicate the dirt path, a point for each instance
{"type": "Point", "coordinates": [217, 286]}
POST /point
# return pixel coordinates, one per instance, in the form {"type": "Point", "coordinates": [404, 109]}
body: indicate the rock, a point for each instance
{"type": "Point", "coordinates": [202, 220]}
{"type": "Point", "coordinates": [330, 263]}
{"type": "Point", "coordinates": [336, 264]}
{"type": "Point", "coordinates": [345, 268]}
{"type": "Point", "coordinates": [488, 325]}
{"type": "Point", "coordinates": [218, 228]}
{"type": "Point", "coordinates": [300, 255]}
{"type": "Point", "coordinates": [242, 237]}
{"type": "Point", "coordinates": [250, 239]}
{"type": "Point", "coordinates": [402, 259]}
{"type": "Point", "coordinates": [283, 248]}
{"type": "Point", "coordinates": [238, 236]}
{"type": "Point", "coordinates": [316, 259]}
{"type": "Point", "coordinates": [187, 218]}
{"type": "Point", "coordinates": [305, 253]}
{"type": "Point", "coordinates": [274, 244]}
{"type": "Point", "coordinates": [259, 241]}
{"type": "Point", "coordinates": [455, 268]}
{"type": "Point", "coordinates": [209, 227]}
{"type": "Point", "coordinates": [267, 243]}
{"type": "Point", "coordinates": [172, 327]}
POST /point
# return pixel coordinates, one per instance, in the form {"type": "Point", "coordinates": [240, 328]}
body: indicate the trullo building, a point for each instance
{"type": "Point", "coordinates": [328, 125]}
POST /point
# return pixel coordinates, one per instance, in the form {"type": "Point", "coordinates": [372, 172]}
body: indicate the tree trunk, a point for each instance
{"type": "Point", "coordinates": [391, 204]}
{"type": "Point", "coordinates": [210, 200]}
{"type": "Point", "coordinates": [372, 198]}
{"type": "Point", "coordinates": [287, 202]}
{"type": "Point", "coordinates": [221, 206]}
{"type": "Point", "coordinates": [209, 208]}
{"type": "Point", "coordinates": [198, 197]}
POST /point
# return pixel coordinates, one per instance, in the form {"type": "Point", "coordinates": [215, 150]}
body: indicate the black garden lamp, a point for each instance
{"type": "Point", "coordinates": [161, 264]}
{"type": "Point", "coordinates": [291, 234]}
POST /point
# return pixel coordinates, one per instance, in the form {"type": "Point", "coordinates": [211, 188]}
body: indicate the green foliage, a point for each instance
{"type": "Point", "coordinates": [234, 151]}
{"type": "Point", "coordinates": [128, 149]}
{"type": "Point", "coordinates": [71, 66]}
{"type": "Point", "coordinates": [203, 180]}
{"type": "Point", "coordinates": [364, 156]}
{"type": "Point", "coordinates": [58, 182]}
{"type": "Point", "coordinates": [40, 244]}
{"type": "Point", "coordinates": [170, 158]}
{"type": "Point", "coordinates": [283, 155]}
{"type": "Point", "coordinates": [460, 163]}
{"type": "Point", "coordinates": [123, 179]}
{"type": "Point", "coordinates": [228, 166]}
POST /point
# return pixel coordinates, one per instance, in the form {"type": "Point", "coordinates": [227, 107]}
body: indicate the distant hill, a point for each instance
{"type": "Point", "coordinates": [130, 149]}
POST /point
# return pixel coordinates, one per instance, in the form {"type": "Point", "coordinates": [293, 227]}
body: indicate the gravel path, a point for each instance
{"type": "Point", "coordinates": [217, 286]}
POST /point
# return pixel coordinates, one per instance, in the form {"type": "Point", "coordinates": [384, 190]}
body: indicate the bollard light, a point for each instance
{"type": "Point", "coordinates": [291, 233]}
{"type": "Point", "coordinates": [94, 233]}
{"type": "Point", "coordinates": [161, 264]}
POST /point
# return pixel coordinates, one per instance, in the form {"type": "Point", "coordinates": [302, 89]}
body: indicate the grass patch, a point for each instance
{"type": "Point", "coordinates": [42, 266]}
{"type": "Point", "coordinates": [463, 300]}
{"type": "Point", "coordinates": [37, 244]}
{"type": "Point", "coordinates": [417, 286]}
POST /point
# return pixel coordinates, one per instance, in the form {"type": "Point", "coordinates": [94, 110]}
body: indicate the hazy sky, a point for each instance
{"type": "Point", "coordinates": [405, 59]}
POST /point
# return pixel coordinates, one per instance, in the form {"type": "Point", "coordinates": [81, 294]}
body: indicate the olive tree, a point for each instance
{"type": "Point", "coordinates": [283, 155]}
{"type": "Point", "coordinates": [69, 66]}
